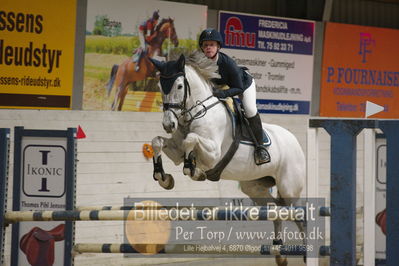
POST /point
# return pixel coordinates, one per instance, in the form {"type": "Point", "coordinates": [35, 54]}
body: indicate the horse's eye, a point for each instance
{"type": "Point", "coordinates": [179, 87]}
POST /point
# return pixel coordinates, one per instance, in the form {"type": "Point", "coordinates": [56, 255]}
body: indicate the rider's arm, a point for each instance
{"type": "Point", "coordinates": [150, 30]}
{"type": "Point", "coordinates": [231, 76]}
{"type": "Point", "coordinates": [143, 28]}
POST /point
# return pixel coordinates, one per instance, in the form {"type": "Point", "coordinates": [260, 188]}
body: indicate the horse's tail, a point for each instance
{"type": "Point", "coordinates": [111, 79]}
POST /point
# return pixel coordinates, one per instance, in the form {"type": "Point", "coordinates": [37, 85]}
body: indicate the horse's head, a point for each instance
{"type": "Point", "coordinates": [184, 87]}
{"type": "Point", "coordinates": [174, 90]}
{"type": "Point", "coordinates": [167, 28]}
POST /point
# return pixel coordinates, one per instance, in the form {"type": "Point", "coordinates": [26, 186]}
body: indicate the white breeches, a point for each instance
{"type": "Point", "coordinates": [142, 41]}
{"type": "Point", "coordinates": [248, 99]}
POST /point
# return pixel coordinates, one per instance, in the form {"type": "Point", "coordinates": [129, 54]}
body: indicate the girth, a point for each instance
{"type": "Point", "coordinates": [214, 173]}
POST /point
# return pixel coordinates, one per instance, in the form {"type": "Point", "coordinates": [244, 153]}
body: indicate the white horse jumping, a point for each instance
{"type": "Point", "coordinates": [201, 130]}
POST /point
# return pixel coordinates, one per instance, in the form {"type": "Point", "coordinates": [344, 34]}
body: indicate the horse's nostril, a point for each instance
{"type": "Point", "coordinates": [169, 127]}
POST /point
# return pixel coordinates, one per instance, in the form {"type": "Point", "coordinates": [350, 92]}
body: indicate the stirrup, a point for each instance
{"type": "Point", "coordinates": [261, 155]}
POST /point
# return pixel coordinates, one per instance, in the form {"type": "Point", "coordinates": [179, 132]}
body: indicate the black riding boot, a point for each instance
{"type": "Point", "coordinates": [261, 154]}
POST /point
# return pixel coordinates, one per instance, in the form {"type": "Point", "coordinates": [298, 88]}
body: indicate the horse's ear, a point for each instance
{"type": "Point", "coordinates": [158, 64]}
{"type": "Point", "coordinates": [181, 62]}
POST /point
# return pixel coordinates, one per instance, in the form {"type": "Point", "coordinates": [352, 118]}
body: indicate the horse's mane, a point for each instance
{"type": "Point", "coordinates": [163, 21]}
{"type": "Point", "coordinates": [205, 67]}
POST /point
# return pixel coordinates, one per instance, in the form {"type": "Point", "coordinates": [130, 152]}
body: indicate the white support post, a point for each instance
{"type": "Point", "coordinates": [328, 6]}
{"type": "Point", "coordinates": [312, 182]}
{"type": "Point", "coordinates": [369, 197]}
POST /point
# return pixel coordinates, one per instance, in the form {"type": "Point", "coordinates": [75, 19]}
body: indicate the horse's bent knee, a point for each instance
{"type": "Point", "coordinates": [157, 144]}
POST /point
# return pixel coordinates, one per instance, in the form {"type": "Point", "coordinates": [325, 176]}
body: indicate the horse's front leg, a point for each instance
{"type": "Point", "coordinates": [206, 148]}
{"type": "Point", "coordinates": [173, 152]}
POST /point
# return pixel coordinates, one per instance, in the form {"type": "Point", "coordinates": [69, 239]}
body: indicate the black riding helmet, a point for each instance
{"type": "Point", "coordinates": [210, 35]}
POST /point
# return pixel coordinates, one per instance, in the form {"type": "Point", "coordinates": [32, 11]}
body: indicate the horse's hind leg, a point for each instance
{"type": "Point", "coordinates": [302, 226]}
{"type": "Point", "coordinates": [116, 103]}
{"type": "Point", "coordinates": [290, 185]}
{"type": "Point", "coordinates": [258, 191]}
{"type": "Point", "coordinates": [122, 96]}
{"type": "Point", "coordinates": [119, 83]}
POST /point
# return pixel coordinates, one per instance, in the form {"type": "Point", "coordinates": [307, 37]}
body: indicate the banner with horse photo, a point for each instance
{"type": "Point", "coordinates": [121, 36]}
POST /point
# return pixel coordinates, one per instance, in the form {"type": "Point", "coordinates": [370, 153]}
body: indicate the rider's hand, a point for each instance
{"type": "Point", "coordinates": [219, 93]}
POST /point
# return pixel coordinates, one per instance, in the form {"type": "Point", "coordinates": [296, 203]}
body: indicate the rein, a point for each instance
{"type": "Point", "coordinates": [201, 113]}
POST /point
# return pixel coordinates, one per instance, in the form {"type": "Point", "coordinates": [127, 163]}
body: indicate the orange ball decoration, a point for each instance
{"type": "Point", "coordinates": [148, 151]}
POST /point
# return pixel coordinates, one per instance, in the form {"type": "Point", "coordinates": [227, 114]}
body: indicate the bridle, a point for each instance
{"type": "Point", "coordinates": [187, 90]}
{"type": "Point", "coordinates": [182, 105]}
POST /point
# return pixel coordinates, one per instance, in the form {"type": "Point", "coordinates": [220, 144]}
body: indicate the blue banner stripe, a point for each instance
{"type": "Point", "coordinates": [283, 107]}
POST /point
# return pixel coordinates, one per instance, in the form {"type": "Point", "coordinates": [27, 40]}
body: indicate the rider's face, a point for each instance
{"type": "Point", "coordinates": [210, 48]}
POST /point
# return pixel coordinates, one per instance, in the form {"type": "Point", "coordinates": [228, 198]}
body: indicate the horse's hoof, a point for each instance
{"type": "Point", "coordinates": [186, 171]}
{"type": "Point", "coordinates": [167, 181]}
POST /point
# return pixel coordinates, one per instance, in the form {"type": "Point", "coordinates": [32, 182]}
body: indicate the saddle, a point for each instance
{"type": "Point", "coordinates": [242, 123]}
{"type": "Point", "coordinates": [241, 135]}
{"type": "Point", "coordinates": [38, 244]}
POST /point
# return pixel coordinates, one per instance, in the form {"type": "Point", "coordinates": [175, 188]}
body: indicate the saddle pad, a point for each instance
{"type": "Point", "coordinates": [247, 140]}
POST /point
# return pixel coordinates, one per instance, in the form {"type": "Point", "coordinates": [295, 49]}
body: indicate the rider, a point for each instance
{"type": "Point", "coordinates": [146, 30]}
{"type": "Point", "coordinates": [240, 83]}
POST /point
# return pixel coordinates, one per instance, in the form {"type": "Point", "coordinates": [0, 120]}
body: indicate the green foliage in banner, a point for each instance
{"type": "Point", "coordinates": [111, 45]}
{"type": "Point", "coordinates": [125, 45]}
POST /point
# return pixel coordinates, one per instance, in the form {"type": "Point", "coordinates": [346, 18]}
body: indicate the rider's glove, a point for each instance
{"type": "Point", "coordinates": [219, 93]}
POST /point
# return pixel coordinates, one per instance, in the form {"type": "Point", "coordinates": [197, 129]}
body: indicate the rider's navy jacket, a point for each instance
{"type": "Point", "coordinates": [231, 75]}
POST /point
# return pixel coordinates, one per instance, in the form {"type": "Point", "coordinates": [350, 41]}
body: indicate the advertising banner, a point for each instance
{"type": "Point", "coordinates": [43, 180]}
{"type": "Point", "coordinates": [360, 64]}
{"type": "Point", "coordinates": [37, 54]}
{"type": "Point", "coordinates": [120, 37]}
{"type": "Point", "coordinates": [279, 55]}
